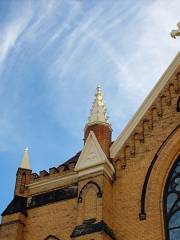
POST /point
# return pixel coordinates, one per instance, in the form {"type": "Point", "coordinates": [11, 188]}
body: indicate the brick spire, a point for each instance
{"type": "Point", "coordinates": [23, 175]}
{"type": "Point", "coordinates": [25, 161]}
{"type": "Point", "coordinates": [98, 112]}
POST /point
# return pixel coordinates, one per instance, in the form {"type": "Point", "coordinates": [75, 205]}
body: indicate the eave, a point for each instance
{"type": "Point", "coordinates": [122, 138]}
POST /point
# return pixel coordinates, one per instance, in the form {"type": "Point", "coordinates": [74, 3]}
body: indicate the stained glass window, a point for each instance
{"type": "Point", "coordinates": [172, 203]}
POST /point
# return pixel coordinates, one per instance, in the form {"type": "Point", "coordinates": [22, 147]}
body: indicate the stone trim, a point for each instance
{"type": "Point", "coordinates": [99, 191]}
{"type": "Point", "coordinates": [91, 226]}
{"type": "Point", "coordinates": [71, 176]}
{"type": "Point", "coordinates": [93, 159]}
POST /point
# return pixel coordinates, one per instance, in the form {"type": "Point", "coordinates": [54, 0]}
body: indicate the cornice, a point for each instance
{"type": "Point", "coordinates": [72, 176]}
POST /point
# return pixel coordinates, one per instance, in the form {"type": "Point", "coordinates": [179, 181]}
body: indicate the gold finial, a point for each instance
{"type": "Point", "coordinates": [98, 110]}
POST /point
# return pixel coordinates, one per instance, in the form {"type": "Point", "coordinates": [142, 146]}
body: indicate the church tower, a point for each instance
{"type": "Point", "coordinates": [95, 176]}
{"type": "Point", "coordinates": [23, 175]}
{"type": "Point", "coordinates": [97, 139]}
{"type": "Point", "coordinates": [16, 212]}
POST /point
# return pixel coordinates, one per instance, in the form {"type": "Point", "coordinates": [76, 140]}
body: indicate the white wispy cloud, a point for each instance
{"type": "Point", "coordinates": [151, 52]}
{"type": "Point", "coordinates": [153, 47]}
{"type": "Point", "coordinates": [11, 31]}
{"type": "Point", "coordinates": [124, 48]}
{"type": "Point", "coordinates": [134, 44]}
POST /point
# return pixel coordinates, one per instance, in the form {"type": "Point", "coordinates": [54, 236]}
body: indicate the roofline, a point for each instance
{"type": "Point", "coordinates": [121, 139]}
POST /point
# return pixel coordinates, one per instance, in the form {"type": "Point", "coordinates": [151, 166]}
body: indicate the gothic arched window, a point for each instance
{"type": "Point", "coordinates": [172, 203]}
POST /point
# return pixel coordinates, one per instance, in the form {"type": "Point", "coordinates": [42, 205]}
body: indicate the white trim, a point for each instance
{"type": "Point", "coordinates": [93, 159]}
{"type": "Point", "coordinates": [116, 146]}
{"type": "Point", "coordinates": [48, 181]}
{"type": "Point", "coordinates": [99, 168]}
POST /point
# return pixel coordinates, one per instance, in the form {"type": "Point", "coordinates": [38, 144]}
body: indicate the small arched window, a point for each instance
{"type": "Point", "coordinates": [90, 203]}
{"type": "Point", "coordinates": [172, 203]}
{"type": "Point", "coordinates": [51, 237]}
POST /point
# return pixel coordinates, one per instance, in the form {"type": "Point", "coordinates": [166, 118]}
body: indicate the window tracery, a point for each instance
{"type": "Point", "coordinates": [172, 203]}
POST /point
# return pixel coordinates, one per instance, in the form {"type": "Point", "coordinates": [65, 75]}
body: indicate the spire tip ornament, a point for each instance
{"type": "Point", "coordinates": [175, 33]}
{"type": "Point", "coordinates": [25, 161]}
{"type": "Point", "coordinates": [26, 149]}
{"type": "Point", "coordinates": [98, 113]}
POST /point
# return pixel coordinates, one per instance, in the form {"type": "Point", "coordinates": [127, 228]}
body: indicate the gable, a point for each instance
{"type": "Point", "coordinates": [148, 102]}
{"type": "Point", "coordinates": [92, 157]}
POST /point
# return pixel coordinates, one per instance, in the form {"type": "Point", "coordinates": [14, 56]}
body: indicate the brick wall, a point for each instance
{"type": "Point", "coordinates": [56, 219]}
{"type": "Point", "coordinates": [103, 134]}
{"type": "Point", "coordinates": [133, 162]}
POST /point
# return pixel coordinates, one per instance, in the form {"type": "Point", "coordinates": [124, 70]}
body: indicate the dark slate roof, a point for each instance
{"type": "Point", "coordinates": [18, 204]}
{"type": "Point", "coordinates": [73, 159]}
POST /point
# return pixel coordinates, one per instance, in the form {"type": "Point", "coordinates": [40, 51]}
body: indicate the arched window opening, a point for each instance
{"type": "Point", "coordinates": [89, 184]}
{"type": "Point", "coordinates": [172, 203]}
{"type": "Point", "coordinates": [90, 204]}
{"type": "Point", "coordinates": [51, 237]}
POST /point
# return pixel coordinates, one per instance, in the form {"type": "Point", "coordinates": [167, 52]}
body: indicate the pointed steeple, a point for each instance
{"type": "Point", "coordinates": [25, 161]}
{"type": "Point", "coordinates": [98, 112]}
{"type": "Point", "coordinates": [98, 123]}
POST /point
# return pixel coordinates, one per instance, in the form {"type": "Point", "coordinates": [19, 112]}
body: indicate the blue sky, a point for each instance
{"type": "Point", "coordinates": [53, 53]}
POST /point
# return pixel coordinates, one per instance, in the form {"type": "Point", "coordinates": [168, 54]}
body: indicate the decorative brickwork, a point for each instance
{"type": "Point", "coordinates": [150, 120]}
{"type": "Point", "coordinates": [91, 226]}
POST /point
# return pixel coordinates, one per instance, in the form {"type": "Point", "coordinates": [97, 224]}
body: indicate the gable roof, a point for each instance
{"type": "Point", "coordinates": [91, 155]}
{"type": "Point", "coordinates": [73, 159]}
{"type": "Point", "coordinates": [92, 158]}
{"type": "Point", "coordinates": [121, 139]}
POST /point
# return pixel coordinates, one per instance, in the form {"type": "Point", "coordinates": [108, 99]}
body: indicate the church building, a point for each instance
{"type": "Point", "coordinates": [122, 189]}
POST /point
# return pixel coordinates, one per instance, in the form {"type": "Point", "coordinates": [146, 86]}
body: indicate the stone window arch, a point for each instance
{"type": "Point", "coordinates": [172, 203]}
{"type": "Point", "coordinates": [86, 186]}
{"type": "Point", "coordinates": [51, 237]}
